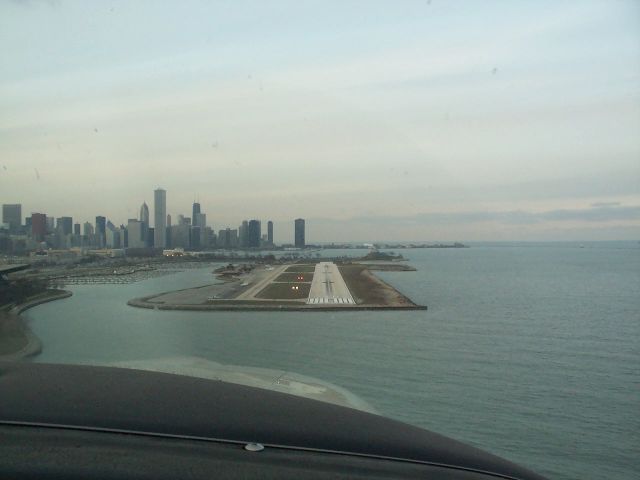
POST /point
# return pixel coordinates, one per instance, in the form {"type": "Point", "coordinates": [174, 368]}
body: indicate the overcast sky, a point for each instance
{"type": "Point", "coordinates": [394, 120]}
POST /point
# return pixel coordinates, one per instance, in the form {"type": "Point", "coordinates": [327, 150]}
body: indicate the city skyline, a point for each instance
{"type": "Point", "coordinates": [516, 219]}
{"type": "Point", "coordinates": [189, 232]}
{"type": "Point", "coordinates": [150, 212]}
{"type": "Point", "coordinates": [425, 121]}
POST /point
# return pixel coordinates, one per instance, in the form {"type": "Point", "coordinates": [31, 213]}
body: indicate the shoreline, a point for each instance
{"type": "Point", "coordinates": [14, 330]}
{"type": "Point", "coordinates": [263, 307]}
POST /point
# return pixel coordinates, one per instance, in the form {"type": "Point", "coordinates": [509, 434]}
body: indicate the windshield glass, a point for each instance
{"type": "Point", "coordinates": [429, 210]}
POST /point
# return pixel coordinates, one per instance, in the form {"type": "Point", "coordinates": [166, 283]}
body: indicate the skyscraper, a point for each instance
{"type": "Point", "coordinates": [254, 234]}
{"type": "Point", "coordinates": [144, 213]}
{"type": "Point", "coordinates": [135, 234]}
{"type": "Point", "coordinates": [38, 226]}
{"type": "Point", "coordinates": [194, 214]}
{"type": "Point", "coordinates": [200, 220]}
{"type": "Point", "coordinates": [196, 237]}
{"type": "Point", "coordinates": [12, 214]}
{"type": "Point", "coordinates": [270, 232]}
{"type": "Point", "coordinates": [299, 232]}
{"type": "Point", "coordinates": [228, 238]}
{"type": "Point", "coordinates": [243, 234]}
{"type": "Point", "coordinates": [101, 230]}
{"type": "Point", "coordinates": [112, 236]}
{"type": "Point", "coordinates": [65, 225]}
{"type": "Point", "coordinates": [160, 217]}
{"type": "Point", "coordinates": [144, 223]}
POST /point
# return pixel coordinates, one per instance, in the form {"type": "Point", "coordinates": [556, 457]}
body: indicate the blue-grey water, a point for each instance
{"type": "Point", "coordinates": [529, 351]}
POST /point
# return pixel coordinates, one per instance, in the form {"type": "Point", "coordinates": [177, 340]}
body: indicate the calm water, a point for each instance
{"type": "Point", "coordinates": [529, 351]}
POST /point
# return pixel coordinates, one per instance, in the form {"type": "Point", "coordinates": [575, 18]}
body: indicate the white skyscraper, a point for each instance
{"type": "Point", "coordinates": [135, 234]}
{"type": "Point", "coordinates": [159, 217]}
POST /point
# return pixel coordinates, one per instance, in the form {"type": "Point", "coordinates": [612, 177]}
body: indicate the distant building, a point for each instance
{"type": "Point", "coordinates": [182, 220]}
{"type": "Point", "coordinates": [228, 238]}
{"type": "Point", "coordinates": [299, 233]}
{"type": "Point", "coordinates": [101, 231]}
{"type": "Point", "coordinates": [38, 226]}
{"type": "Point", "coordinates": [200, 220]}
{"type": "Point", "coordinates": [254, 233]}
{"type": "Point", "coordinates": [196, 237]}
{"type": "Point", "coordinates": [270, 232]}
{"type": "Point", "coordinates": [135, 238]}
{"type": "Point", "coordinates": [65, 225]}
{"type": "Point", "coordinates": [87, 229]}
{"type": "Point", "coordinates": [208, 237]}
{"type": "Point", "coordinates": [144, 213]}
{"type": "Point", "coordinates": [194, 213]}
{"type": "Point", "coordinates": [12, 215]}
{"type": "Point", "coordinates": [76, 229]}
{"type": "Point", "coordinates": [243, 234]}
{"type": "Point", "coordinates": [150, 237]}
{"type": "Point", "coordinates": [160, 218]}
{"type": "Point", "coordinates": [180, 236]}
{"type": "Point", "coordinates": [144, 220]}
{"type": "Point", "coordinates": [113, 238]}
{"type": "Point", "coordinates": [50, 221]}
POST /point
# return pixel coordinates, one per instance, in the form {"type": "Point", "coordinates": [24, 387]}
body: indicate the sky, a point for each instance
{"type": "Point", "coordinates": [375, 121]}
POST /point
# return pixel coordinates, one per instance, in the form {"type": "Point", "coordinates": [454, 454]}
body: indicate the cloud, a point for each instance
{"type": "Point", "coordinates": [28, 3]}
{"type": "Point", "coordinates": [597, 214]}
{"type": "Point", "coordinates": [606, 204]}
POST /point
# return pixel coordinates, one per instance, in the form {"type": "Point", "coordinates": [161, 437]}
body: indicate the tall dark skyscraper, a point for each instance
{"type": "Point", "coordinates": [270, 232]}
{"type": "Point", "coordinates": [243, 234]}
{"type": "Point", "coordinates": [194, 214]}
{"type": "Point", "coordinates": [101, 230]}
{"type": "Point", "coordinates": [12, 214]}
{"type": "Point", "coordinates": [299, 233]}
{"type": "Point", "coordinates": [76, 229]}
{"type": "Point", "coordinates": [65, 225]}
{"type": "Point", "coordinates": [254, 234]}
{"type": "Point", "coordinates": [38, 226]}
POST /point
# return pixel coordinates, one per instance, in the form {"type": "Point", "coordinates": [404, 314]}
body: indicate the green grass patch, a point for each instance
{"type": "Point", "coordinates": [284, 291]}
{"type": "Point", "coordinates": [362, 289]}
{"type": "Point", "coordinates": [296, 277]}
{"type": "Point", "coordinates": [301, 268]}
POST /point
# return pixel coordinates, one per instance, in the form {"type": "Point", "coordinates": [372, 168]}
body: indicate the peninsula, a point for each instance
{"type": "Point", "coordinates": [310, 286]}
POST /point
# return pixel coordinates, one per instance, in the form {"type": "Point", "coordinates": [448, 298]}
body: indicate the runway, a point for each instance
{"type": "Point", "coordinates": [328, 286]}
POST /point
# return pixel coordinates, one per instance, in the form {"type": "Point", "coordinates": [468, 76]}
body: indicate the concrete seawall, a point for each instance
{"type": "Point", "coordinates": [142, 303]}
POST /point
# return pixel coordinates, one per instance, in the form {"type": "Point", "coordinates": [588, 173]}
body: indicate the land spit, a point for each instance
{"type": "Point", "coordinates": [297, 287]}
{"type": "Point", "coordinates": [16, 339]}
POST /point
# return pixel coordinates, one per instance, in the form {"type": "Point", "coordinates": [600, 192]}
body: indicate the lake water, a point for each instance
{"type": "Point", "coordinates": [528, 351]}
